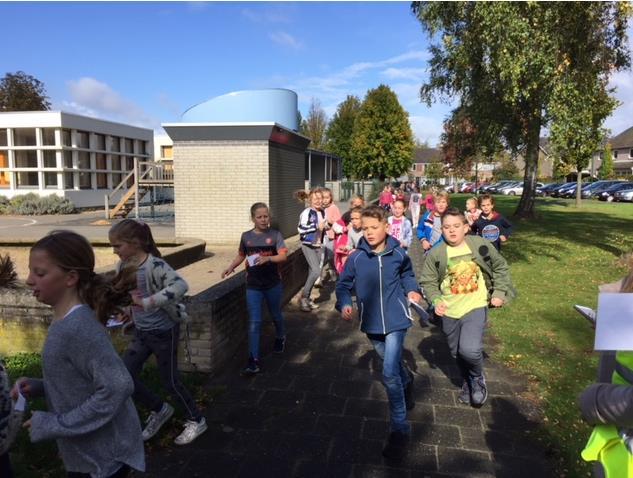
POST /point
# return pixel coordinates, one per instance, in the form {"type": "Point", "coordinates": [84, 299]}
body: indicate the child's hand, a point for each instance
{"type": "Point", "coordinates": [347, 312]}
{"type": "Point", "coordinates": [227, 271]}
{"type": "Point", "coordinates": [440, 308]}
{"type": "Point", "coordinates": [22, 386]}
{"type": "Point", "coordinates": [414, 296]}
{"type": "Point", "coordinates": [137, 298]}
{"type": "Point", "coordinates": [503, 238]}
{"type": "Point", "coordinates": [426, 245]}
{"type": "Point", "coordinates": [496, 302]}
{"type": "Point", "coordinates": [124, 316]}
{"type": "Point", "coordinates": [261, 260]}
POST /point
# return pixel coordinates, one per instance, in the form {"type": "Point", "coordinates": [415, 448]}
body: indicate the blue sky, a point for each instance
{"type": "Point", "coordinates": [145, 63]}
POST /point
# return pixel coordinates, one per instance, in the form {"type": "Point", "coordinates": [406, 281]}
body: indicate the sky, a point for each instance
{"type": "Point", "coordinates": [145, 63]}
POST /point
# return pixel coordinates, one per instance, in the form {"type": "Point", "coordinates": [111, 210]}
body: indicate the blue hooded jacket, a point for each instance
{"type": "Point", "coordinates": [382, 282]}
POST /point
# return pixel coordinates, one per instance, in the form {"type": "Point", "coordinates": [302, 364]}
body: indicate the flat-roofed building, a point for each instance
{"type": "Point", "coordinates": [73, 156]}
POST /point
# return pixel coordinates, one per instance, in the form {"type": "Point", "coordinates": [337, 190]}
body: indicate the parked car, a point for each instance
{"type": "Point", "coordinates": [608, 194]}
{"type": "Point", "coordinates": [595, 193]}
{"type": "Point", "coordinates": [623, 195]}
{"type": "Point", "coordinates": [547, 189]}
{"type": "Point", "coordinates": [517, 189]}
{"type": "Point", "coordinates": [492, 189]}
{"type": "Point", "coordinates": [559, 191]}
{"type": "Point", "coordinates": [508, 186]}
{"type": "Point", "coordinates": [466, 188]}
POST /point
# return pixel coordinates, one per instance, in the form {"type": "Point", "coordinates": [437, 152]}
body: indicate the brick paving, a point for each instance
{"type": "Point", "coordinates": [320, 410]}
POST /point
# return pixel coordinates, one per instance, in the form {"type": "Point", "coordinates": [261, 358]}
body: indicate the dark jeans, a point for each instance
{"type": "Point", "coordinates": [164, 345]}
{"type": "Point", "coordinates": [465, 339]}
{"type": "Point", "coordinates": [122, 473]}
{"type": "Point", "coordinates": [5, 466]}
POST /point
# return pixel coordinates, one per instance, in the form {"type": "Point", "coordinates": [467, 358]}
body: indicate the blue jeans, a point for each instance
{"type": "Point", "coordinates": [394, 375]}
{"type": "Point", "coordinates": [254, 301]}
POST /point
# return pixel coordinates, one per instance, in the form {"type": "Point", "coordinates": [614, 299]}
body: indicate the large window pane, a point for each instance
{"type": "Point", "coordinates": [130, 164]}
{"type": "Point", "coordinates": [116, 162]}
{"type": "Point", "coordinates": [50, 159]}
{"type": "Point", "coordinates": [102, 181]}
{"type": "Point", "coordinates": [84, 181]}
{"type": "Point", "coordinates": [115, 144]}
{"type": "Point", "coordinates": [68, 159]}
{"type": "Point", "coordinates": [83, 160]}
{"type": "Point", "coordinates": [101, 161]}
{"type": "Point", "coordinates": [116, 179]}
{"type": "Point", "coordinates": [4, 163]}
{"type": "Point", "coordinates": [100, 142]}
{"type": "Point", "coordinates": [50, 180]}
{"type": "Point", "coordinates": [26, 179]}
{"type": "Point", "coordinates": [129, 145]}
{"type": "Point", "coordinates": [26, 158]}
{"type": "Point", "coordinates": [69, 180]}
{"type": "Point", "coordinates": [24, 137]}
{"type": "Point", "coordinates": [48, 136]}
{"type": "Point", "coordinates": [83, 139]}
{"type": "Point", "coordinates": [3, 137]}
{"type": "Point", "coordinates": [66, 138]}
{"type": "Point", "coordinates": [4, 180]}
{"type": "Point", "coordinates": [167, 152]}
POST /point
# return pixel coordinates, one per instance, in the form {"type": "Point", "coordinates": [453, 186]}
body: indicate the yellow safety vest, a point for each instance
{"type": "Point", "coordinates": [606, 444]}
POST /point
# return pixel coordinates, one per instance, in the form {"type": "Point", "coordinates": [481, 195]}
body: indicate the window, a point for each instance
{"type": "Point", "coordinates": [69, 180]}
{"type": "Point", "coordinates": [167, 152]}
{"type": "Point", "coordinates": [630, 153]}
{"type": "Point", "coordinates": [102, 181]}
{"type": "Point", "coordinates": [615, 154]}
{"type": "Point", "coordinates": [115, 144]}
{"type": "Point", "coordinates": [129, 145]}
{"type": "Point", "coordinates": [50, 159]}
{"type": "Point", "coordinates": [130, 163]}
{"type": "Point", "coordinates": [116, 179]}
{"type": "Point", "coordinates": [3, 137]}
{"type": "Point", "coordinates": [68, 159]}
{"type": "Point", "coordinates": [66, 137]}
{"type": "Point", "coordinates": [101, 161]}
{"type": "Point", "coordinates": [83, 139]}
{"type": "Point", "coordinates": [83, 160]}
{"type": "Point", "coordinates": [4, 163]}
{"type": "Point", "coordinates": [50, 180]}
{"type": "Point", "coordinates": [26, 179]}
{"type": "Point", "coordinates": [116, 162]}
{"type": "Point", "coordinates": [100, 142]}
{"type": "Point", "coordinates": [84, 180]}
{"type": "Point", "coordinates": [26, 158]}
{"type": "Point", "coordinates": [24, 137]}
{"type": "Point", "coordinates": [48, 136]}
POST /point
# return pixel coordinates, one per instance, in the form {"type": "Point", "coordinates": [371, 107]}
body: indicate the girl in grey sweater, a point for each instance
{"type": "Point", "coordinates": [86, 385]}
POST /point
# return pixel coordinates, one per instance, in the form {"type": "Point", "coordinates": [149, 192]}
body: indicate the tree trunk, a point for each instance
{"type": "Point", "coordinates": [526, 204]}
{"type": "Point", "coordinates": [578, 187]}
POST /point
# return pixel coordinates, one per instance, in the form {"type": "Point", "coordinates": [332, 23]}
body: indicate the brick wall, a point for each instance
{"type": "Point", "coordinates": [287, 170]}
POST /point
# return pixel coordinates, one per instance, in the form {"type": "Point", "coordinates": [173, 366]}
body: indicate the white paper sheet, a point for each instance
{"type": "Point", "coordinates": [20, 403]}
{"type": "Point", "coordinates": [614, 326]}
{"type": "Point", "coordinates": [251, 259]}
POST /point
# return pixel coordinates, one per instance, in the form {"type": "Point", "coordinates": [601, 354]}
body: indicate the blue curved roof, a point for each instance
{"type": "Point", "coordinates": [276, 105]}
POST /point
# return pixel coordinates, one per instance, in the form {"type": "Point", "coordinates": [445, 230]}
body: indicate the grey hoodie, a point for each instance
{"type": "Point", "coordinates": [88, 390]}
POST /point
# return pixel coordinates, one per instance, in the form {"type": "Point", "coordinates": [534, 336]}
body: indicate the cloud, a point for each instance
{"type": "Point", "coordinates": [621, 118]}
{"type": "Point", "coordinates": [427, 128]}
{"type": "Point", "coordinates": [267, 15]}
{"type": "Point", "coordinates": [92, 97]}
{"type": "Point", "coordinates": [286, 40]}
{"type": "Point", "coordinates": [405, 73]}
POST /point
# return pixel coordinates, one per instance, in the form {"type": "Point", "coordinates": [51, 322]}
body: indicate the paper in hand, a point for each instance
{"type": "Point", "coordinates": [252, 259]}
{"type": "Point", "coordinates": [614, 325]}
{"type": "Point", "coordinates": [421, 311]}
{"type": "Point", "coordinates": [20, 403]}
{"type": "Point", "coordinates": [586, 312]}
{"type": "Point", "coordinates": [112, 323]}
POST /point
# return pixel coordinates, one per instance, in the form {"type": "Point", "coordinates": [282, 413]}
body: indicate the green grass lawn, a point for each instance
{"type": "Point", "coordinates": [558, 260]}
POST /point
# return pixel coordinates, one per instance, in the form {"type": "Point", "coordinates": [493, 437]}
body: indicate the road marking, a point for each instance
{"type": "Point", "coordinates": [32, 222]}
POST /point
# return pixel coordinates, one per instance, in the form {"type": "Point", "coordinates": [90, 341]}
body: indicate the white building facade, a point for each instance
{"type": "Point", "coordinates": [76, 157]}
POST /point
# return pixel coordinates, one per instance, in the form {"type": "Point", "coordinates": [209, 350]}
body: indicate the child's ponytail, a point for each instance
{"type": "Point", "coordinates": [139, 232]}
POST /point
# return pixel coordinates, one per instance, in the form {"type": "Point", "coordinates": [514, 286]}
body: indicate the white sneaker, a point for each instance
{"type": "Point", "coordinates": [157, 420]}
{"type": "Point", "coordinates": [317, 283]}
{"type": "Point", "coordinates": [313, 305]}
{"type": "Point", "coordinates": [192, 431]}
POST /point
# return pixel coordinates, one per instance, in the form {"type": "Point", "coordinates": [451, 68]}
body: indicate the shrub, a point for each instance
{"type": "Point", "coordinates": [31, 204]}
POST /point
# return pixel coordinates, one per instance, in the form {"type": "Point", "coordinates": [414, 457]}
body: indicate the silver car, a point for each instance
{"type": "Point", "coordinates": [624, 195]}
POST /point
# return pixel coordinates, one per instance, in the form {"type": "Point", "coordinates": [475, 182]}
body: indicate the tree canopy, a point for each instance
{"type": "Point", "coordinates": [314, 125]}
{"type": "Point", "coordinates": [512, 63]}
{"type": "Point", "coordinates": [382, 141]}
{"type": "Point", "coordinates": [606, 167]}
{"type": "Point", "coordinates": [22, 92]}
{"type": "Point", "coordinates": [340, 130]}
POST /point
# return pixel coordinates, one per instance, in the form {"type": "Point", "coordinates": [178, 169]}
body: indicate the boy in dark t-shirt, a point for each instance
{"type": "Point", "coordinates": [491, 225]}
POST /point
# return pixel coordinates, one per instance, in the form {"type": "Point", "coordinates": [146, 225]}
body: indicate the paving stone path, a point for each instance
{"type": "Point", "coordinates": [320, 410]}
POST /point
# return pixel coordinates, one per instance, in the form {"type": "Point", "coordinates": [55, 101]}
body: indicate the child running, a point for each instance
{"type": "Point", "coordinates": [472, 212]}
{"type": "Point", "coordinates": [414, 206]}
{"type": "Point", "coordinates": [382, 276]}
{"type": "Point", "coordinates": [352, 236]}
{"type": "Point", "coordinates": [460, 277]}
{"type": "Point", "coordinates": [491, 225]}
{"type": "Point", "coordinates": [399, 226]}
{"type": "Point", "coordinates": [157, 313]}
{"type": "Point", "coordinates": [86, 385]}
{"type": "Point", "coordinates": [263, 248]}
{"type": "Point", "coordinates": [430, 228]}
{"type": "Point", "coordinates": [332, 215]}
{"type": "Point", "coordinates": [311, 227]}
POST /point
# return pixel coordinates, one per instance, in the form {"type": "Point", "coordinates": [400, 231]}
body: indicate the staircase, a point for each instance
{"type": "Point", "coordinates": [145, 175]}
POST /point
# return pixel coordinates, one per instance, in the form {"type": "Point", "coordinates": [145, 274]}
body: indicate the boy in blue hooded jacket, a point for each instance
{"type": "Point", "coordinates": [382, 276]}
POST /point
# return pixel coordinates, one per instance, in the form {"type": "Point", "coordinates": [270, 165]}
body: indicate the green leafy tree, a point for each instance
{"type": "Point", "coordinates": [434, 172]}
{"type": "Point", "coordinates": [382, 142]}
{"type": "Point", "coordinates": [22, 92]}
{"type": "Point", "coordinates": [506, 169]}
{"type": "Point", "coordinates": [314, 125]}
{"type": "Point", "coordinates": [340, 130]}
{"type": "Point", "coordinates": [505, 60]}
{"type": "Point", "coordinates": [606, 168]}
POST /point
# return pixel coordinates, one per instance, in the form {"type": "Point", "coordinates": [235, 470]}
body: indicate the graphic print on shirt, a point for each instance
{"type": "Point", "coordinates": [395, 229]}
{"type": "Point", "coordinates": [462, 276]}
{"type": "Point", "coordinates": [491, 232]}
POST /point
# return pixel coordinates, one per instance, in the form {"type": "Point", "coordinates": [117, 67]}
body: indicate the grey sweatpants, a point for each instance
{"type": "Point", "coordinates": [313, 258]}
{"type": "Point", "coordinates": [465, 339]}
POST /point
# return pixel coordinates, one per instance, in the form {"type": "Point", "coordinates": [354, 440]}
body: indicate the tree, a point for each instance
{"type": "Point", "coordinates": [506, 60]}
{"type": "Point", "coordinates": [340, 130]}
{"type": "Point", "coordinates": [314, 125]}
{"type": "Point", "coordinates": [507, 168]}
{"type": "Point", "coordinates": [606, 168]}
{"type": "Point", "coordinates": [382, 141]}
{"type": "Point", "coordinates": [22, 92]}
{"type": "Point", "coordinates": [434, 172]}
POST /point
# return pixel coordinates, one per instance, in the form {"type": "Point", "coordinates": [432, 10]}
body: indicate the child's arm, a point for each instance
{"type": "Point", "coordinates": [173, 286]}
{"type": "Point", "coordinates": [408, 280]}
{"type": "Point", "coordinates": [282, 252]}
{"type": "Point", "coordinates": [234, 263]}
{"type": "Point", "coordinates": [430, 279]}
{"type": "Point", "coordinates": [506, 229]}
{"type": "Point", "coordinates": [344, 287]}
{"type": "Point", "coordinates": [606, 403]}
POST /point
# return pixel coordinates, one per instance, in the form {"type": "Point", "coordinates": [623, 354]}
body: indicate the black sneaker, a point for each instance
{"type": "Point", "coordinates": [408, 393]}
{"type": "Point", "coordinates": [464, 393]}
{"type": "Point", "coordinates": [252, 368]}
{"type": "Point", "coordinates": [280, 345]}
{"type": "Point", "coordinates": [396, 447]}
{"type": "Point", "coordinates": [479, 391]}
